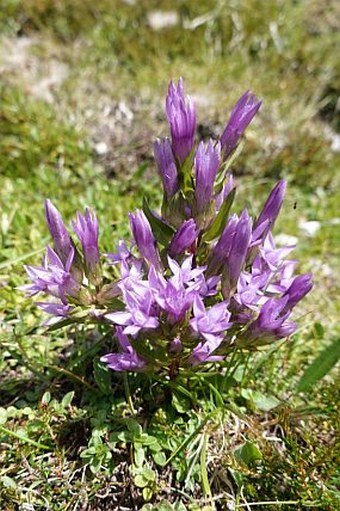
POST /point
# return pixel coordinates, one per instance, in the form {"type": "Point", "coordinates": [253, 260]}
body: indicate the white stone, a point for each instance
{"type": "Point", "coordinates": [101, 148]}
{"type": "Point", "coordinates": [286, 239]}
{"type": "Point", "coordinates": [310, 228]}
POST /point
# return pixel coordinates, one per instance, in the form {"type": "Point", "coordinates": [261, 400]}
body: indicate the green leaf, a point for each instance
{"type": "Point", "coordinates": [150, 441]}
{"type": "Point", "coordinates": [247, 453]}
{"type": "Point", "coordinates": [59, 324]}
{"type": "Point", "coordinates": [102, 377]}
{"type": "Point", "coordinates": [179, 506]}
{"type": "Point", "coordinates": [218, 397]}
{"type": "Point", "coordinates": [123, 436]}
{"type": "Point", "coordinates": [8, 482]}
{"type": "Point", "coordinates": [147, 493]}
{"type": "Point", "coordinates": [216, 227]}
{"type": "Point", "coordinates": [237, 476]}
{"type": "Point", "coordinates": [67, 399]}
{"type": "Point", "coordinates": [321, 366]}
{"type": "Point", "coordinates": [261, 401]}
{"type": "Point", "coordinates": [185, 173]}
{"type": "Point", "coordinates": [181, 403]}
{"type": "Point", "coordinates": [140, 481]}
{"type": "Point", "coordinates": [319, 329]}
{"type": "Point", "coordinates": [159, 458]}
{"type": "Point", "coordinates": [134, 428]}
{"type": "Point", "coordinates": [165, 506]}
{"type": "Point", "coordinates": [3, 415]}
{"type": "Point", "coordinates": [162, 231]}
{"type": "Point", "coordinates": [227, 164]}
{"type": "Point", "coordinates": [139, 456]}
{"type": "Point", "coordinates": [46, 398]}
{"type": "Point", "coordinates": [149, 474]}
{"type": "Point", "coordinates": [88, 453]}
{"type": "Point", "coordinates": [95, 465]}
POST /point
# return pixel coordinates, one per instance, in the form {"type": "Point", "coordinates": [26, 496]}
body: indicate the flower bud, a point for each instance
{"type": "Point", "coordinates": [181, 116]}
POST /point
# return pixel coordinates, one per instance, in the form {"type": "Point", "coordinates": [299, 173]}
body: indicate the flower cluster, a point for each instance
{"type": "Point", "coordinates": [195, 282]}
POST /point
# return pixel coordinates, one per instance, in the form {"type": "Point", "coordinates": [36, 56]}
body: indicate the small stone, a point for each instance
{"type": "Point", "coordinates": [162, 19]}
{"type": "Point", "coordinates": [101, 148]}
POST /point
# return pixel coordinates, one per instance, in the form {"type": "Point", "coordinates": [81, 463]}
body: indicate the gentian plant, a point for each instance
{"type": "Point", "coordinates": [196, 282]}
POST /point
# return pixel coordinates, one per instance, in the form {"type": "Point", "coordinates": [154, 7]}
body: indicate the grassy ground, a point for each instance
{"type": "Point", "coordinates": [82, 87]}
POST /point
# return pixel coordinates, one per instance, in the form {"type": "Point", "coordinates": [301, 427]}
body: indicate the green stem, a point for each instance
{"type": "Point", "coordinates": [269, 503]}
{"type": "Point", "coordinates": [79, 379]}
{"type": "Point", "coordinates": [16, 260]}
{"type": "Point", "coordinates": [128, 394]}
{"type": "Point", "coordinates": [186, 441]}
{"type": "Point", "coordinates": [203, 463]}
{"type": "Point", "coordinates": [24, 439]}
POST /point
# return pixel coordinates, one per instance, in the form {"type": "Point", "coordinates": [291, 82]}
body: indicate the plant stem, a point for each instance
{"type": "Point", "coordinates": [24, 439]}
{"type": "Point", "coordinates": [203, 463]}
{"type": "Point", "coordinates": [128, 394]}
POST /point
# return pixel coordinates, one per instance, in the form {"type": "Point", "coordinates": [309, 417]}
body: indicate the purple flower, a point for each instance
{"type": "Point", "coordinates": [86, 228]}
{"type": "Point", "coordinates": [208, 287]}
{"type": "Point", "coordinates": [172, 296]}
{"type": "Point", "coordinates": [139, 313]}
{"type": "Point", "coordinates": [58, 310]}
{"type": "Point", "coordinates": [240, 117]}
{"type": "Point", "coordinates": [122, 254]}
{"type": "Point", "coordinates": [227, 188]}
{"type": "Point", "coordinates": [61, 238]}
{"type": "Point", "coordinates": [270, 255]}
{"type": "Point", "coordinates": [181, 116]}
{"type": "Point", "coordinates": [270, 324]}
{"type": "Point", "coordinates": [175, 295]}
{"type": "Point", "coordinates": [223, 246]}
{"type": "Point", "coordinates": [167, 166]}
{"type": "Point", "coordinates": [300, 286]}
{"type": "Point", "coordinates": [207, 160]}
{"type": "Point", "coordinates": [184, 238]}
{"type": "Point", "coordinates": [127, 360]}
{"type": "Point", "coordinates": [144, 237]}
{"type": "Point", "coordinates": [238, 252]}
{"type": "Point", "coordinates": [53, 277]}
{"type": "Point", "coordinates": [210, 324]}
{"type": "Point", "coordinates": [272, 207]}
{"type": "Point", "coordinates": [270, 274]}
{"type": "Point", "coordinates": [201, 354]}
{"type": "Point", "coordinates": [132, 278]}
{"type": "Point", "coordinates": [185, 275]}
{"type": "Point", "coordinates": [251, 290]}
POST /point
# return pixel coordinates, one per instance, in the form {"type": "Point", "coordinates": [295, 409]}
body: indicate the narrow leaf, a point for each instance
{"type": "Point", "coordinates": [67, 399]}
{"type": "Point", "coordinates": [185, 174]}
{"type": "Point", "coordinates": [227, 164]}
{"type": "Point", "coordinates": [162, 231]}
{"type": "Point", "coordinates": [16, 260]}
{"type": "Point", "coordinates": [321, 366]}
{"type": "Point", "coordinates": [102, 377]}
{"type": "Point", "coordinates": [218, 224]}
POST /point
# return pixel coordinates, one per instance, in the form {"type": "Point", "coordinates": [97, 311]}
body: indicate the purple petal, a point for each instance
{"type": "Point", "coordinates": [240, 117]}
{"type": "Point", "coordinates": [166, 166]}
{"type": "Point", "coordinates": [181, 116]}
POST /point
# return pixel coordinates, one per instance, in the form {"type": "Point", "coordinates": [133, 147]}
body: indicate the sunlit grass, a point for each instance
{"type": "Point", "coordinates": [284, 51]}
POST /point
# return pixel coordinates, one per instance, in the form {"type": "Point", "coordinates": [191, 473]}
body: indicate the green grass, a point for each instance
{"type": "Point", "coordinates": [251, 438]}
